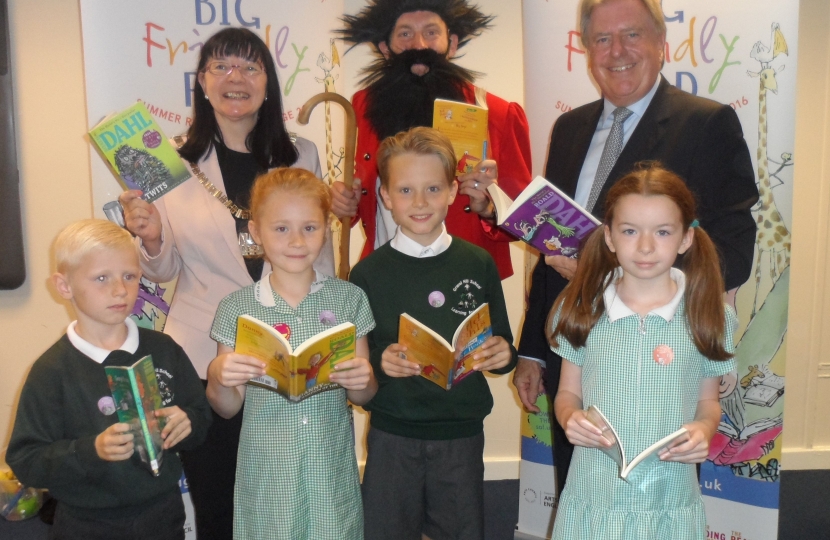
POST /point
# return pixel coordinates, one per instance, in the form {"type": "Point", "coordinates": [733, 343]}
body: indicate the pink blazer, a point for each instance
{"type": "Point", "coordinates": [200, 247]}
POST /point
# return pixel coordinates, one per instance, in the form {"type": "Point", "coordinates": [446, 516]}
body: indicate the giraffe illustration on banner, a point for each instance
{"type": "Point", "coordinates": [772, 235]}
{"type": "Point", "coordinates": [327, 65]}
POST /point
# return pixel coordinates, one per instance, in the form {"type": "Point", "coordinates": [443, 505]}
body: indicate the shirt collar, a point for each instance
{"type": "Point", "coordinates": [615, 308]}
{"type": "Point", "coordinates": [638, 108]}
{"type": "Point", "coordinates": [97, 353]}
{"type": "Point", "coordinates": [265, 294]}
{"type": "Point", "coordinates": [401, 242]}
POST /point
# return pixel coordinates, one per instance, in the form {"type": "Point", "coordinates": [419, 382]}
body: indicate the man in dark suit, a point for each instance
{"type": "Point", "coordinates": [698, 139]}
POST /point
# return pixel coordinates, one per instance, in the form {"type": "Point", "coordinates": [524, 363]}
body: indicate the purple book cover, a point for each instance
{"type": "Point", "coordinates": [550, 221]}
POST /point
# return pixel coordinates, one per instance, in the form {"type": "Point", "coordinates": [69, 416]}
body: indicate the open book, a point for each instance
{"type": "Point", "coordinates": [139, 153]}
{"type": "Point", "coordinates": [754, 441]}
{"type": "Point", "coordinates": [617, 451]}
{"type": "Point", "coordinates": [444, 363]}
{"type": "Point", "coordinates": [466, 127]}
{"type": "Point", "coordinates": [765, 391]}
{"type": "Point", "coordinates": [135, 391]}
{"type": "Point", "coordinates": [544, 217]}
{"type": "Point", "coordinates": [299, 373]}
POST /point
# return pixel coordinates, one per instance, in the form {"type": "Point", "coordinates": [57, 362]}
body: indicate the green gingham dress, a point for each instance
{"type": "Point", "coordinates": [296, 477]}
{"type": "Point", "coordinates": [644, 401]}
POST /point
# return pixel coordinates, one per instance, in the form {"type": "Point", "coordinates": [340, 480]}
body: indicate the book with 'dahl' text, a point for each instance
{"type": "Point", "coordinates": [544, 217]}
{"type": "Point", "coordinates": [295, 373]}
{"type": "Point", "coordinates": [141, 156]}
{"type": "Point", "coordinates": [444, 363]}
{"type": "Point", "coordinates": [616, 452]}
{"type": "Point", "coordinates": [135, 391]}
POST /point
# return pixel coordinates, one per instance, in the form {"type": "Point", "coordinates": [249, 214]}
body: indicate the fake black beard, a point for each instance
{"type": "Point", "coordinates": [399, 100]}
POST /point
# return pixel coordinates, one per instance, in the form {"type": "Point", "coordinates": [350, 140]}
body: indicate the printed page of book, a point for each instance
{"type": "Point", "coordinates": [257, 339]}
{"type": "Point", "coordinates": [139, 152]}
{"type": "Point", "coordinates": [466, 127]}
{"type": "Point", "coordinates": [315, 359]}
{"type": "Point", "coordinates": [427, 348]}
{"type": "Point", "coordinates": [469, 338]}
{"type": "Point", "coordinates": [653, 452]}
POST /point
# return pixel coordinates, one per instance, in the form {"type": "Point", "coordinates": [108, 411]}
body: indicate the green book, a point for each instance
{"type": "Point", "coordinates": [140, 155]}
{"type": "Point", "coordinates": [135, 391]}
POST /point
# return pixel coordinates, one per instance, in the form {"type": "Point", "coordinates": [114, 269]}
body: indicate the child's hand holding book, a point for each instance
{"type": "Point", "coordinates": [115, 443]}
{"type": "Point", "coordinates": [394, 363]}
{"type": "Point", "coordinates": [494, 354]}
{"type": "Point", "coordinates": [232, 369]}
{"type": "Point", "coordinates": [177, 426]}
{"type": "Point", "coordinates": [693, 450]}
{"type": "Point", "coordinates": [581, 431]}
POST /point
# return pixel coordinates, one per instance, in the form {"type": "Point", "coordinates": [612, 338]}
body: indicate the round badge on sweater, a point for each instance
{"type": "Point", "coordinates": [106, 405]}
{"type": "Point", "coordinates": [436, 299]}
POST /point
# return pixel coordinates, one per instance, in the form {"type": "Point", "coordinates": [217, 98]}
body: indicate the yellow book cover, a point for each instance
{"type": "Point", "coordinates": [442, 362]}
{"type": "Point", "coordinates": [301, 372]}
{"type": "Point", "coordinates": [466, 126]}
{"type": "Point", "coordinates": [141, 156]}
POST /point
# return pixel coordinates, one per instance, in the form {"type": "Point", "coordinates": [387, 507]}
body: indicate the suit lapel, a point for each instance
{"type": "Point", "coordinates": [222, 218]}
{"type": "Point", "coordinates": [581, 141]}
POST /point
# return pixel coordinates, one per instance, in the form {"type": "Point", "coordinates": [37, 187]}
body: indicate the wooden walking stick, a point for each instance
{"type": "Point", "coordinates": [348, 171]}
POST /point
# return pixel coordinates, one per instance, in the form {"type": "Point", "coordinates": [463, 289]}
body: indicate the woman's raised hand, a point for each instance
{"type": "Point", "coordinates": [142, 219]}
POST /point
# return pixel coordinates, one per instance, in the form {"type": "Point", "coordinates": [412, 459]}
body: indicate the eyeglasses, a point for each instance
{"type": "Point", "coordinates": [223, 69]}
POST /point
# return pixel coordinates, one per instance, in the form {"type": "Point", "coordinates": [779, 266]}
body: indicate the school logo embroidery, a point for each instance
{"type": "Point", "coordinates": [165, 381]}
{"type": "Point", "coordinates": [468, 293]}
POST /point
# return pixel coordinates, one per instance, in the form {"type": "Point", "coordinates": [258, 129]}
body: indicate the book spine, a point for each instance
{"type": "Point", "coordinates": [145, 429]}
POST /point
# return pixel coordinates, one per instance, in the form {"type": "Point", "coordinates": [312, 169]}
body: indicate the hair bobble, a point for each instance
{"type": "Point", "coordinates": [695, 224]}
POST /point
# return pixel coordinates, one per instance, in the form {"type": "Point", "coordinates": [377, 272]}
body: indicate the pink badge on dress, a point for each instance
{"type": "Point", "coordinates": [663, 355]}
{"type": "Point", "coordinates": [283, 329]}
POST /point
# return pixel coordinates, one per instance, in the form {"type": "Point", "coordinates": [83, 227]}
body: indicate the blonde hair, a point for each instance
{"type": "Point", "coordinates": [586, 9]}
{"type": "Point", "coordinates": [290, 180]}
{"type": "Point", "coordinates": [422, 141]}
{"type": "Point", "coordinates": [77, 240]}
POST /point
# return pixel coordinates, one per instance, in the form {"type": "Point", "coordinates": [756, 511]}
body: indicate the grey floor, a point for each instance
{"type": "Point", "coordinates": [804, 514]}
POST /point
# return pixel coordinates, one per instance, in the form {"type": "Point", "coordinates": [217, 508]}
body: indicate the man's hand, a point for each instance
{"type": "Point", "coordinates": [344, 202]}
{"type": "Point", "coordinates": [115, 443]}
{"type": "Point", "coordinates": [474, 185]}
{"type": "Point", "coordinates": [564, 265]}
{"type": "Point", "coordinates": [528, 382]}
{"type": "Point", "coordinates": [393, 362]}
{"type": "Point", "coordinates": [177, 427]}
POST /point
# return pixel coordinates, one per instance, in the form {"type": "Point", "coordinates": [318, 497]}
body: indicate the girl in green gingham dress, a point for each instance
{"type": "Point", "coordinates": [647, 344]}
{"type": "Point", "coordinates": [297, 475]}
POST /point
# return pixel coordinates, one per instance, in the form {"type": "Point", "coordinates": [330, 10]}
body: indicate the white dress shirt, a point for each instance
{"type": "Point", "coordinates": [407, 246]}
{"type": "Point", "coordinates": [97, 353]}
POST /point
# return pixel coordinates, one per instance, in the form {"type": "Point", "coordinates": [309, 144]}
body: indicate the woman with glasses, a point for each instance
{"type": "Point", "coordinates": [198, 232]}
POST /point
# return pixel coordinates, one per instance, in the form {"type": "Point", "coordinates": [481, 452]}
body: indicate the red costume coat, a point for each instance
{"type": "Point", "coordinates": [509, 145]}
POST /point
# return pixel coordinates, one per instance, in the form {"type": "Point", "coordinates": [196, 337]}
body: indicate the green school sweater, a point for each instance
{"type": "Point", "coordinates": [460, 279]}
{"type": "Point", "coordinates": [63, 408]}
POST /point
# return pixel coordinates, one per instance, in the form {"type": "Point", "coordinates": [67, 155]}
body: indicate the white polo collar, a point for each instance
{"type": "Point", "coordinates": [97, 353]}
{"type": "Point", "coordinates": [401, 242]}
{"type": "Point", "coordinates": [616, 309]}
{"type": "Point", "coordinates": [265, 294]}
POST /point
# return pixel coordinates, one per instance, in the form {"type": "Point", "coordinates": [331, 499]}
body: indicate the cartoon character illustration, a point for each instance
{"type": "Point", "coordinates": [526, 229]}
{"type": "Point", "coordinates": [150, 307]}
{"type": "Point", "coordinates": [141, 168]}
{"type": "Point", "coordinates": [329, 76]}
{"type": "Point", "coordinates": [314, 364]}
{"type": "Point", "coordinates": [772, 235]}
{"type": "Point", "coordinates": [553, 243]}
{"type": "Point", "coordinates": [433, 372]}
{"type": "Point", "coordinates": [463, 163]}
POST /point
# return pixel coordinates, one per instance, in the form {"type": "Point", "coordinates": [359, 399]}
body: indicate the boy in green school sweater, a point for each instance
{"type": "Point", "coordinates": [424, 471]}
{"type": "Point", "coordinates": [67, 437]}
